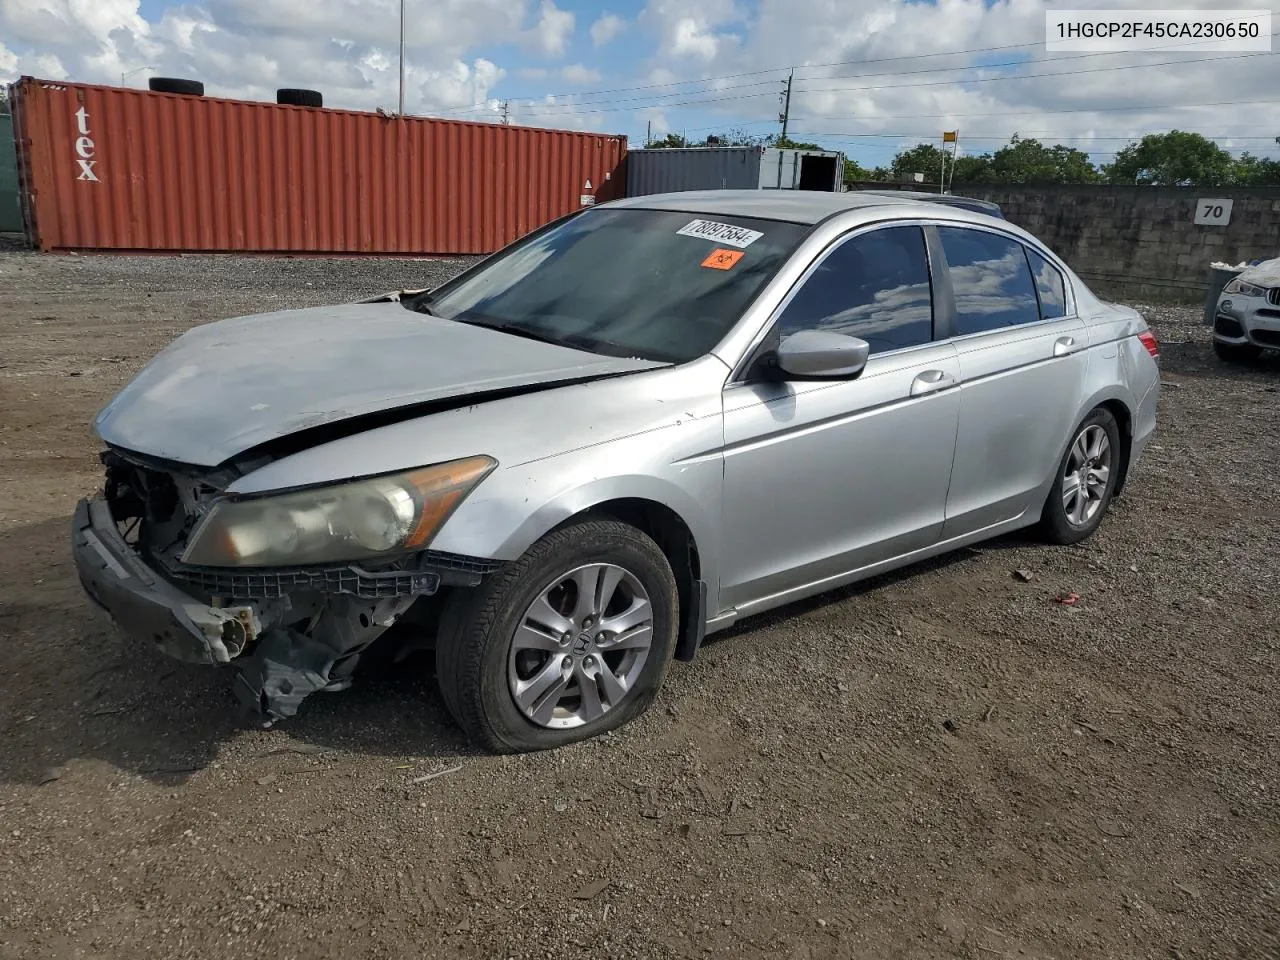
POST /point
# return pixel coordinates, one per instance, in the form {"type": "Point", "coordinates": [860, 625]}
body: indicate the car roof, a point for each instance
{"type": "Point", "coordinates": [797, 206]}
{"type": "Point", "coordinates": [947, 199]}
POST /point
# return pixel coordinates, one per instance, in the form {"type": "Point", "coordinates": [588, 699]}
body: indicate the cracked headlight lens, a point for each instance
{"type": "Point", "coordinates": [337, 523]}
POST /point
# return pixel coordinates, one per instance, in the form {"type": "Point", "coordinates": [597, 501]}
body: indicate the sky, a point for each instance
{"type": "Point", "coordinates": [871, 77]}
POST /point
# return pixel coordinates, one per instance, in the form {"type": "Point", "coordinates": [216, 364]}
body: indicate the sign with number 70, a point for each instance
{"type": "Point", "coordinates": [1213, 213]}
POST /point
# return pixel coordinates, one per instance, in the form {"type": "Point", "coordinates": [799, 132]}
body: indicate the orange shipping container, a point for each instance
{"type": "Point", "coordinates": [105, 168]}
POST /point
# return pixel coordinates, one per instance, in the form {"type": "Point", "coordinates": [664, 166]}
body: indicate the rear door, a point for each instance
{"type": "Point", "coordinates": [1022, 355]}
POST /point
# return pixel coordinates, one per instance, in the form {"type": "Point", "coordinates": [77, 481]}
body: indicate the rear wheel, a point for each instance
{"type": "Point", "coordinates": [568, 642]}
{"type": "Point", "coordinates": [1085, 482]}
{"type": "Point", "coordinates": [1236, 352]}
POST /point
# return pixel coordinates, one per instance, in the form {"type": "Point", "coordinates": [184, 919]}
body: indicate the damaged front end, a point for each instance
{"type": "Point", "coordinates": [288, 631]}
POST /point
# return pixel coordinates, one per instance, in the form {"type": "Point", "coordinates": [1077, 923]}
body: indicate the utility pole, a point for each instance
{"type": "Point", "coordinates": [506, 113]}
{"type": "Point", "coordinates": [785, 115]}
{"type": "Point", "coordinates": [955, 150]}
{"type": "Point", "coordinates": [648, 134]}
{"type": "Point", "coordinates": [401, 58]}
{"type": "Point", "coordinates": [125, 75]}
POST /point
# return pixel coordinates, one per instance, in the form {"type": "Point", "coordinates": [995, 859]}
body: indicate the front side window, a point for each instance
{"type": "Point", "coordinates": [991, 279]}
{"type": "Point", "coordinates": [874, 286]}
{"type": "Point", "coordinates": [656, 284]}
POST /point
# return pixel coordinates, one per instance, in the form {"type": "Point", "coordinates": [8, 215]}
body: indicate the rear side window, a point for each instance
{"type": "Point", "coordinates": [1050, 285]}
{"type": "Point", "coordinates": [991, 279]}
{"type": "Point", "coordinates": [875, 286]}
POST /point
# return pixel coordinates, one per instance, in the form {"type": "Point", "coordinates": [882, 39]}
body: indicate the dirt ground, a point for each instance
{"type": "Point", "coordinates": [942, 763]}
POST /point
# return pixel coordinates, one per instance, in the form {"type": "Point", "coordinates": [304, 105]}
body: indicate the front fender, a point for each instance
{"type": "Point", "coordinates": [513, 508]}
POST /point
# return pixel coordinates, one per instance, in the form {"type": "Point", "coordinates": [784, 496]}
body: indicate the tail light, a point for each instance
{"type": "Point", "coordinates": [1149, 341]}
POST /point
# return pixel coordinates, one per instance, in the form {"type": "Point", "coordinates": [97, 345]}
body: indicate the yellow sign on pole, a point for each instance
{"type": "Point", "coordinates": [949, 136]}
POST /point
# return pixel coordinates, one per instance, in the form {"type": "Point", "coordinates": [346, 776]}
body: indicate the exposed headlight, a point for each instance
{"type": "Point", "coordinates": [337, 523]}
{"type": "Point", "coordinates": [1245, 289]}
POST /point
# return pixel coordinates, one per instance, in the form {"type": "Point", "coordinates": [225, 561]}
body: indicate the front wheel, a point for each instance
{"type": "Point", "coordinates": [1085, 481]}
{"type": "Point", "coordinates": [568, 642]}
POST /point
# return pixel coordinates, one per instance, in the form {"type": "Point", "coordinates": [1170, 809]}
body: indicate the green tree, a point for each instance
{"type": "Point", "coordinates": [1176, 158]}
{"type": "Point", "coordinates": [971, 169]}
{"type": "Point", "coordinates": [670, 141]}
{"type": "Point", "coordinates": [786, 143]}
{"type": "Point", "coordinates": [1251, 171]}
{"type": "Point", "coordinates": [923, 158]}
{"type": "Point", "coordinates": [1030, 161]}
{"type": "Point", "coordinates": [736, 138]}
{"type": "Point", "coordinates": [854, 171]}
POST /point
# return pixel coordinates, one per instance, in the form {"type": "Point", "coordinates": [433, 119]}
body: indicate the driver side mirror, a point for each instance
{"type": "Point", "coordinates": [820, 355]}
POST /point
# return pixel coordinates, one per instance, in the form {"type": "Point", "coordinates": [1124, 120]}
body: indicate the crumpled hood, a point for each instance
{"type": "Point", "coordinates": [224, 387]}
{"type": "Point", "coordinates": [1264, 274]}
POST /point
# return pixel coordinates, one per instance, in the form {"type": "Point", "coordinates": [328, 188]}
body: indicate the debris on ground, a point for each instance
{"type": "Point", "coordinates": [592, 890]}
{"type": "Point", "coordinates": [427, 778]}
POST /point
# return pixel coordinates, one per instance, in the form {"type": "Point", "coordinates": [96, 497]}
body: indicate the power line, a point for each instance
{"type": "Point", "coordinates": [1049, 135]}
{"type": "Point", "coordinates": [1036, 76]}
{"type": "Point", "coordinates": [814, 66]}
{"type": "Point", "coordinates": [588, 109]}
{"type": "Point", "coordinates": [1036, 113]}
{"type": "Point", "coordinates": [780, 69]}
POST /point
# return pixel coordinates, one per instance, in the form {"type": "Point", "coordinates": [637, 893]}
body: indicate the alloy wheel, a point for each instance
{"type": "Point", "coordinates": [580, 646]}
{"type": "Point", "coordinates": [1086, 479]}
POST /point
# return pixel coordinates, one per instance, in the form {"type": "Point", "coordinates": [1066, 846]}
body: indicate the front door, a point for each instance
{"type": "Point", "coordinates": [823, 478]}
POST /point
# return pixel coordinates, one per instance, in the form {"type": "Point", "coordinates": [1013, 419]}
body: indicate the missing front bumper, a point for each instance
{"type": "Point", "coordinates": [283, 644]}
{"type": "Point", "coordinates": [146, 606]}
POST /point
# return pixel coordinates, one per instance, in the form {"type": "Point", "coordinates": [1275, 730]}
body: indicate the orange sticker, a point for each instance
{"type": "Point", "coordinates": [723, 259]}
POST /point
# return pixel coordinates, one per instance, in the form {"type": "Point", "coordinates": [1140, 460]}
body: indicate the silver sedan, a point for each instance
{"type": "Point", "coordinates": [628, 430]}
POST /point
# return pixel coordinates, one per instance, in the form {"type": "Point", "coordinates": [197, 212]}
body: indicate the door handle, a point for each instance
{"type": "Point", "coordinates": [1063, 346]}
{"type": "Point", "coordinates": [931, 381]}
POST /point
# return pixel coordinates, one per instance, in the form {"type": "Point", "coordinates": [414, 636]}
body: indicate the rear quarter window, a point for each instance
{"type": "Point", "coordinates": [991, 279]}
{"type": "Point", "coordinates": [1050, 285]}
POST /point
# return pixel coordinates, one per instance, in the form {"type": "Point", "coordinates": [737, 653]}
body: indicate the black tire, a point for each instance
{"type": "Point", "coordinates": [1237, 352]}
{"type": "Point", "coordinates": [188, 88]}
{"type": "Point", "coordinates": [299, 98]}
{"type": "Point", "coordinates": [478, 626]}
{"type": "Point", "coordinates": [1055, 527]}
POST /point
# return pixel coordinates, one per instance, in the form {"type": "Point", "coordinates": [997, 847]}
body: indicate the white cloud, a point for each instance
{"type": "Point", "coordinates": [606, 28]}
{"type": "Point", "coordinates": [554, 29]}
{"type": "Point", "coordinates": [876, 70]}
{"type": "Point", "coordinates": [347, 49]}
{"type": "Point", "coordinates": [868, 65]}
{"type": "Point", "coordinates": [577, 73]}
{"type": "Point", "coordinates": [693, 31]}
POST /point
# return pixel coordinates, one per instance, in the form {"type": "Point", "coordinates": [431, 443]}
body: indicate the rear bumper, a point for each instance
{"type": "Point", "coordinates": [142, 603]}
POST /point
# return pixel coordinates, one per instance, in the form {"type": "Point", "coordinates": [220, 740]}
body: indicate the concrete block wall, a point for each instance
{"type": "Point", "coordinates": [1141, 242]}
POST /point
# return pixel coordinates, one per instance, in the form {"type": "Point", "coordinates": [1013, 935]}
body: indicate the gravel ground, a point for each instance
{"type": "Point", "coordinates": [942, 763]}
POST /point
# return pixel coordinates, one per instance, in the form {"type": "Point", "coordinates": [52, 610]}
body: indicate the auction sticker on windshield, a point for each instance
{"type": "Point", "coordinates": [739, 237]}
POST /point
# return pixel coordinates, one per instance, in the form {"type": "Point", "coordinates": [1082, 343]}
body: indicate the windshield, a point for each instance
{"type": "Point", "coordinates": [654, 284]}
